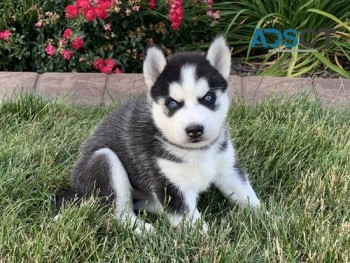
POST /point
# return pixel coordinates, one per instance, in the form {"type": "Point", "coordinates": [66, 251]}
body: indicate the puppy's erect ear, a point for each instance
{"type": "Point", "coordinates": [219, 56]}
{"type": "Point", "coordinates": [153, 65]}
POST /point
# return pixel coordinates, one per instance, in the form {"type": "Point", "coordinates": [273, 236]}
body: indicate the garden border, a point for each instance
{"type": "Point", "coordinates": [103, 89]}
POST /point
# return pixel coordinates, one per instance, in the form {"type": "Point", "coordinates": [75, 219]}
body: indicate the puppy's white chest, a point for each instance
{"type": "Point", "coordinates": [196, 174]}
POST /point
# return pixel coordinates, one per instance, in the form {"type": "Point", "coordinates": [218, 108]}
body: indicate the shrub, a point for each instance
{"type": "Point", "coordinates": [18, 17]}
{"type": "Point", "coordinates": [240, 19]}
{"type": "Point", "coordinates": [107, 36]}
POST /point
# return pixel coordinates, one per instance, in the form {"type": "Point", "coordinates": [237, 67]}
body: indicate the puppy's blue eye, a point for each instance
{"type": "Point", "coordinates": [209, 98]}
{"type": "Point", "coordinates": [172, 104]}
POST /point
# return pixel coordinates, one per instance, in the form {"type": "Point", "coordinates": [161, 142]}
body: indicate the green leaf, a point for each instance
{"type": "Point", "coordinates": [234, 20]}
{"type": "Point", "coordinates": [329, 16]}
{"type": "Point", "coordinates": [332, 66]}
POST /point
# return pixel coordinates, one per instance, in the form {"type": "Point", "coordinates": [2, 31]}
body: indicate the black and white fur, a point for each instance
{"type": "Point", "coordinates": [165, 147]}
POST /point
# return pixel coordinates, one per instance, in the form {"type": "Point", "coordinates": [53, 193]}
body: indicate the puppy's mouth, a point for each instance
{"type": "Point", "coordinates": [195, 140]}
{"type": "Point", "coordinates": [199, 142]}
{"type": "Point", "coordinates": [193, 144]}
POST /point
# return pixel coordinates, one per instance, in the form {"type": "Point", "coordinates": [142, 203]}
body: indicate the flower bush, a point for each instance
{"type": "Point", "coordinates": [109, 36]}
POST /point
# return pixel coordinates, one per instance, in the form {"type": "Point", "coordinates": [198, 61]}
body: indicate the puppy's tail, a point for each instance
{"type": "Point", "coordinates": [67, 196]}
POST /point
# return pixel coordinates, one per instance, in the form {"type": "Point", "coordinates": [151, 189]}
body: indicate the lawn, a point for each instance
{"type": "Point", "coordinates": [296, 152]}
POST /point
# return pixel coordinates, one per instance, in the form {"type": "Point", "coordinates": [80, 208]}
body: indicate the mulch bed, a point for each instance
{"type": "Point", "coordinates": [243, 69]}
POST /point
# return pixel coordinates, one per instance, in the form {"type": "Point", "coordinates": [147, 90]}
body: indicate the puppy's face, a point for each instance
{"type": "Point", "coordinates": [189, 94]}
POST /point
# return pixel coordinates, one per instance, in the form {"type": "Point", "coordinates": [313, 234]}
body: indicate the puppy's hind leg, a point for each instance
{"type": "Point", "coordinates": [122, 189]}
{"type": "Point", "coordinates": [67, 196]}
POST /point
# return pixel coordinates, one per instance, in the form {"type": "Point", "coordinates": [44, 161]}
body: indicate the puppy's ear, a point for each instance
{"type": "Point", "coordinates": [219, 56]}
{"type": "Point", "coordinates": [153, 65]}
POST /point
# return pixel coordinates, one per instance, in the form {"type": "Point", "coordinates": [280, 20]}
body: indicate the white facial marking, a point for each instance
{"type": "Point", "coordinates": [189, 88]}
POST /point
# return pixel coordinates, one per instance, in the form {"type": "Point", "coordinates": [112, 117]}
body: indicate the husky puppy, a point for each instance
{"type": "Point", "coordinates": [165, 147]}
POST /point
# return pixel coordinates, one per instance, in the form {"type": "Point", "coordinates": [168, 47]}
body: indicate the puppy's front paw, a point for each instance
{"type": "Point", "coordinates": [205, 228]}
{"type": "Point", "coordinates": [145, 228]}
{"type": "Point", "coordinates": [253, 202]}
{"type": "Point", "coordinates": [250, 201]}
{"type": "Point", "coordinates": [57, 217]}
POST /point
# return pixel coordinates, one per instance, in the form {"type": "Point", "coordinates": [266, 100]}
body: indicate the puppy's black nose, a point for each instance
{"type": "Point", "coordinates": [194, 131]}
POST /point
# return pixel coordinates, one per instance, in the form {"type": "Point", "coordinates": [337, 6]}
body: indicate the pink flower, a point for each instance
{"type": "Point", "coordinates": [62, 41]}
{"type": "Point", "coordinates": [83, 4]}
{"type": "Point", "coordinates": [99, 64]}
{"type": "Point", "coordinates": [110, 62]}
{"type": "Point", "coordinates": [152, 4]}
{"type": "Point", "coordinates": [176, 13]}
{"type": "Point", "coordinates": [136, 8]}
{"type": "Point", "coordinates": [216, 14]}
{"type": "Point", "coordinates": [5, 34]}
{"type": "Point", "coordinates": [77, 43]}
{"type": "Point", "coordinates": [107, 27]}
{"type": "Point", "coordinates": [72, 11]}
{"type": "Point", "coordinates": [107, 69]}
{"type": "Point", "coordinates": [67, 54]}
{"type": "Point", "coordinates": [101, 13]}
{"type": "Point", "coordinates": [67, 33]}
{"type": "Point", "coordinates": [118, 71]}
{"type": "Point", "coordinates": [105, 4]}
{"type": "Point", "coordinates": [89, 13]}
{"type": "Point", "coordinates": [38, 24]}
{"type": "Point", "coordinates": [106, 65]}
{"type": "Point", "coordinates": [50, 50]}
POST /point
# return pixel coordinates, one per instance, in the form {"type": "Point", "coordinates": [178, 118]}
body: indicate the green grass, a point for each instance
{"type": "Point", "coordinates": [296, 152]}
